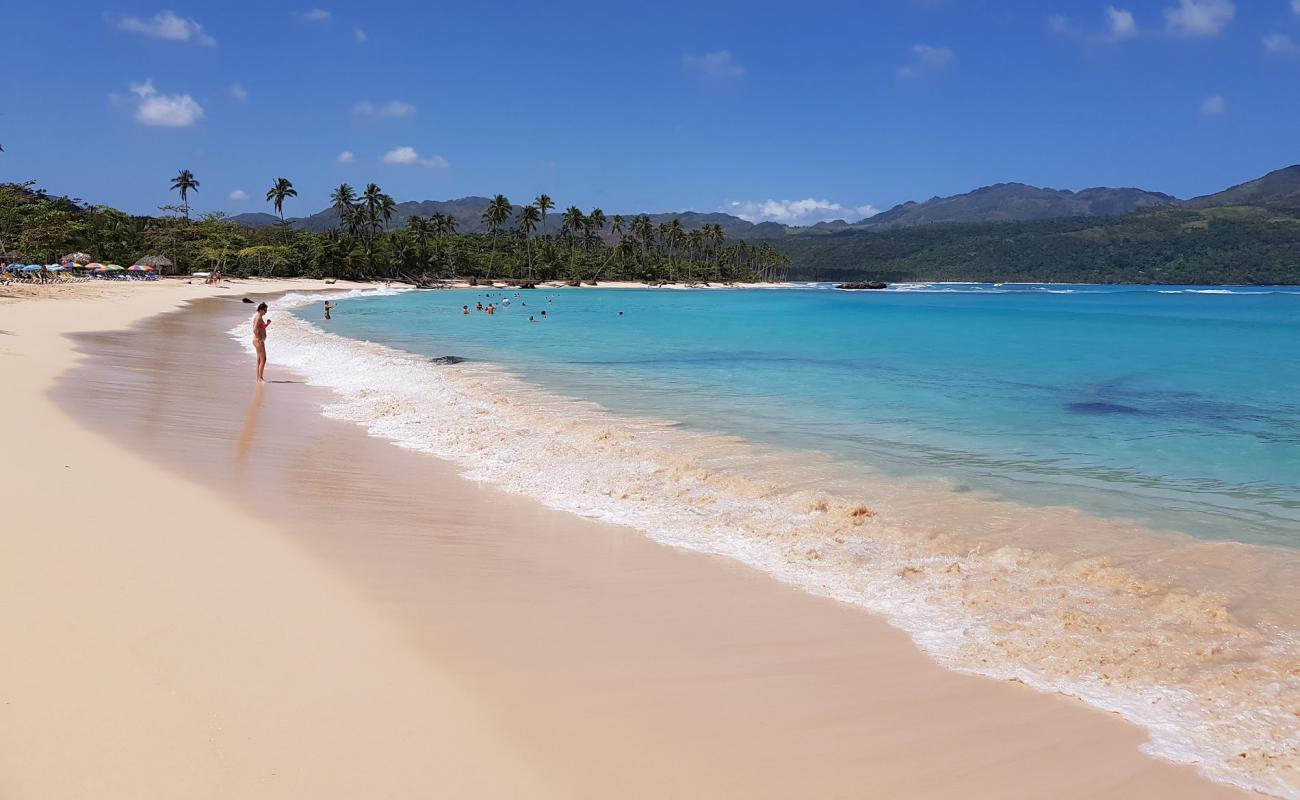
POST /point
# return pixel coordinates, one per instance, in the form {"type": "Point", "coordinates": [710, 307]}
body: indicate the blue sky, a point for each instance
{"type": "Point", "coordinates": [773, 111]}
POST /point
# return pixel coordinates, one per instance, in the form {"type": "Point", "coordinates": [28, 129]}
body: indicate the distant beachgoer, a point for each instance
{"type": "Point", "coordinates": [620, 313]}
{"type": "Point", "coordinates": [543, 313]}
{"type": "Point", "coordinates": [328, 307]}
{"type": "Point", "coordinates": [530, 318]}
{"type": "Point", "coordinates": [478, 306]}
{"type": "Point", "coordinates": [464, 310]}
{"type": "Point", "coordinates": [260, 324]}
{"type": "Point", "coordinates": [490, 310]}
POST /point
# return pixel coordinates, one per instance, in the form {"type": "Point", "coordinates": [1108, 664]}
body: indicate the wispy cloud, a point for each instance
{"type": "Point", "coordinates": [408, 156]}
{"type": "Point", "coordinates": [239, 195]}
{"type": "Point", "coordinates": [926, 59]}
{"type": "Point", "coordinates": [718, 65]}
{"type": "Point", "coordinates": [163, 110]}
{"type": "Point", "coordinates": [346, 157]}
{"type": "Point", "coordinates": [318, 15]}
{"type": "Point", "coordinates": [166, 25]}
{"type": "Point", "coordinates": [1295, 6]}
{"type": "Point", "coordinates": [797, 212]}
{"type": "Point", "coordinates": [1199, 17]}
{"type": "Point", "coordinates": [1279, 44]}
{"type": "Point", "coordinates": [1120, 24]}
{"type": "Point", "coordinates": [393, 109]}
{"type": "Point", "coordinates": [237, 92]}
{"type": "Point", "coordinates": [1214, 105]}
{"type": "Point", "coordinates": [359, 33]}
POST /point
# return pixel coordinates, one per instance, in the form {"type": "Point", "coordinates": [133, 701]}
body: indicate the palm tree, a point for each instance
{"type": "Point", "coordinates": [281, 190]}
{"type": "Point", "coordinates": [386, 208]}
{"type": "Point", "coordinates": [644, 229]}
{"type": "Point", "coordinates": [372, 200]}
{"type": "Point", "coordinates": [185, 183]}
{"type": "Point", "coordinates": [496, 214]}
{"type": "Point", "coordinates": [595, 220]}
{"type": "Point", "coordinates": [616, 226]}
{"type": "Point", "coordinates": [527, 223]}
{"type": "Point", "coordinates": [342, 199]}
{"type": "Point", "coordinates": [573, 222]}
{"type": "Point", "coordinates": [544, 203]}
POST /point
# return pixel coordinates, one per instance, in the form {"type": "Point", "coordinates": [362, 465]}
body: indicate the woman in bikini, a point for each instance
{"type": "Point", "coordinates": [260, 324]}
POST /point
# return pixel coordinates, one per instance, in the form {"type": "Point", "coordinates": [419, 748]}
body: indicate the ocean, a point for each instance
{"type": "Point", "coordinates": [1090, 489]}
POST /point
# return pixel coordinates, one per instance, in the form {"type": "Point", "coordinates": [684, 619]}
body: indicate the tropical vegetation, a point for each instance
{"type": "Point", "coordinates": [36, 226]}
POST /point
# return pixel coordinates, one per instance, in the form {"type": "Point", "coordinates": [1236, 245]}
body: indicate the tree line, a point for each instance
{"type": "Point", "coordinates": [519, 243]}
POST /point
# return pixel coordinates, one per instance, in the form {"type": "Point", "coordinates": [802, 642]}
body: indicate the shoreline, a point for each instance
{"type": "Point", "coordinates": [581, 640]}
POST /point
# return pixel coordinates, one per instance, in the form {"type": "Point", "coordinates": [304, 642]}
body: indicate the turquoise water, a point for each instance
{"type": "Point", "coordinates": [1174, 406]}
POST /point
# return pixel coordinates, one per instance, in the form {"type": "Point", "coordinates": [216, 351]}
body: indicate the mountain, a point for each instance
{"type": "Point", "coordinates": [1017, 202]}
{"type": "Point", "coordinates": [1001, 202]}
{"type": "Point", "coordinates": [1279, 189]}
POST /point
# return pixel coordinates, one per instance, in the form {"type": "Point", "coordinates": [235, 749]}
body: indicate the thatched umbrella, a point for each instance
{"type": "Point", "coordinates": [157, 262]}
{"type": "Point", "coordinates": [76, 258]}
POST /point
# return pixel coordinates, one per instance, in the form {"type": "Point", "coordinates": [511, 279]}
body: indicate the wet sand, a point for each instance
{"type": "Point", "coordinates": [594, 662]}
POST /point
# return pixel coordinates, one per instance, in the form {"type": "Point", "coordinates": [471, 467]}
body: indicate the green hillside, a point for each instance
{"type": "Point", "coordinates": [1170, 245]}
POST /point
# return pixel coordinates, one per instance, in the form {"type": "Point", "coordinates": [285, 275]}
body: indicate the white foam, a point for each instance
{"type": "Point", "coordinates": [1206, 687]}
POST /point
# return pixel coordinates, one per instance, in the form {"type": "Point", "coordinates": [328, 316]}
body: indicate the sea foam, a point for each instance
{"type": "Point", "coordinates": [1211, 689]}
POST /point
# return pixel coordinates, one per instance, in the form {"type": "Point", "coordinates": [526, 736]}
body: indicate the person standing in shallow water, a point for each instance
{"type": "Point", "coordinates": [328, 307]}
{"type": "Point", "coordinates": [260, 324]}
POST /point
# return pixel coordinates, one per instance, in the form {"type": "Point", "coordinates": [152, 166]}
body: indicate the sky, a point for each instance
{"type": "Point", "coordinates": [770, 111]}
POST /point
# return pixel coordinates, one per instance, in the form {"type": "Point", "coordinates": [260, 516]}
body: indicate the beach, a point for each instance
{"type": "Point", "coordinates": [215, 591]}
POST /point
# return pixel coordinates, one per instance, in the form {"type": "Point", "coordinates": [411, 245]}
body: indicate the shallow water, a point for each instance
{"type": "Point", "coordinates": [1181, 410]}
{"type": "Point", "coordinates": [1009, 474]}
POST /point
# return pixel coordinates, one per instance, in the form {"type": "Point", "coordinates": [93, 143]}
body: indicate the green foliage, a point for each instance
{"type": "Point", "coordinates": [1171, 245]}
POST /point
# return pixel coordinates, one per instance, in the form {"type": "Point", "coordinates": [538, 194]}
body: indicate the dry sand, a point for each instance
{"type": "Point", "coordinates": [211, 591]}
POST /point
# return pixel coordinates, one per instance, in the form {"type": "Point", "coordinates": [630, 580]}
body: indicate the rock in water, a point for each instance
{"type": "Point", "coordinates": [446, 360]}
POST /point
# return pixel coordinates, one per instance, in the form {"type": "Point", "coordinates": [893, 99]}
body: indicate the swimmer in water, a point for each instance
{"type": "Point", "coordinates": [328, 307]}
{"type": "Point", "coordinates": [530, 318]}
{"type": "Point", "coordinates": [464, 310]}
{"type": "Point", "coordinates": [478, 306]}
{"type": "Point", "coordinates": [490, 310]}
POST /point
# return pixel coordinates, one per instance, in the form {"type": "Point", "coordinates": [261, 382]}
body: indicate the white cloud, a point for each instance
{"type": "Point", "coordinates": [238, 92]}
{"type": "Point", "coordinates": [926, 59]}
{"type": "Point", "coordinates": [346, 157]}
{"type": "Point", "coordinates": [1120, 24]}
{"type": "Point", "coordinates": [315, 15]}
{"type": "Point", "coordinates": [1214, 105]}
{"type": "Point", "coordinates": [797, 212]}
{"type": "Point", "coordinates": [1280, 44]}
{"type": "Point", "coordinates": [408, 156]}
{"type": "Point", "coordinates": [718, 65]}
{"type": "Point", "coordinates": [393, 109]}
{"type": "Point", "coordinates": [1295, 6]}
{"type": "Point", "coordinates": [360, 34]}
{"type": "Point", "coordinates": [164, 110]}
{"type": "Point", "coordinates": [239, 195]}
{"type": "Point", "coordinates": [1199, 17]}
{"type": "Point", "coordinates": [166, 25]}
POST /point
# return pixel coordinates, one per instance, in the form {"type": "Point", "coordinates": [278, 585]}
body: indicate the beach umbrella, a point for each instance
{"type": "Point", "coordinates": [113, 267]}
{"type": "Point", "coordinates": [76, 258]}
{"type": "Point", "coordinates": [94, 265]}
{"type": "Point", "coordinates": [55, 267]}
{"type": "Point", "coordinates": [31, 268]}
{"type": "Point", "coordinates": [139, 268]}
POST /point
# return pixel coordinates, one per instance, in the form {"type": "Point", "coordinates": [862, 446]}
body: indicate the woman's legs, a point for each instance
{"type": "Point", "coordinates": [261, 361]}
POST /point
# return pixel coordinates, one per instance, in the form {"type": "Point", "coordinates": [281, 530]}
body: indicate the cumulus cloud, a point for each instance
{"type": "Point", "coordinates": [797, 212]}
{"type": "Point", "coordinates": [164, 110]}
{"type": "Point", "coordinates": [925, 60]}
{"type": "Point", "coordinates": [1279, 44]}
{"type": "Point", "coordinates": [719, 65]}
{"type": "Point", "coordinates": [407, 156]}
{"type": "Point", "coordinates": [346, 157]}
{"type": "Point", "coordinates": [315, 15]}
{"type": "Point", "coordinates": [238, 92]}
{"type": "Point", "coordinates": [1214, 105]}
{"type": "Point", "coordinates": [360, 34]}
{"type": "Point", "coordinates": [1120, 24]}
{"type": "Point", "coordinates": [393, 109]}
{"type": "Point", "coordinates": [239, 195]}
{"type": "Point", "coordinates": [1199, 17]}
{"type": "Point", "coordinates": [166, 25]}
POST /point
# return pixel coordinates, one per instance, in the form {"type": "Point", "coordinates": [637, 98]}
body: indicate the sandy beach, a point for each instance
{"type": "Point", "coordinates": [213, 591]}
